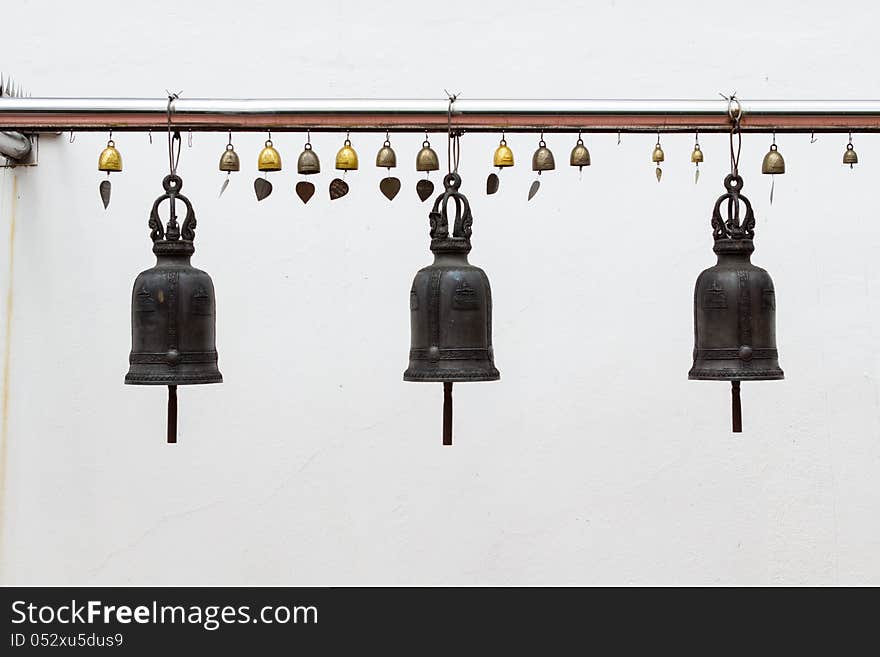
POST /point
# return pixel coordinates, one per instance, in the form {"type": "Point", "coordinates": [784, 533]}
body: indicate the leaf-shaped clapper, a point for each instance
{"type": "Point", "coordinates": [389, 187]}
{"type": "Point", "coordinates": [424, 188]}
{"type": "Point", "coordinates": [492, 183]}
{"type": "Point", "coordinates": [104, 188]}
{"type": "Point", "coordinates": [305, 190]}
{"type": "Point", "coordinates": [338, 188]}
{"type": "Point", "coordinates": [263, 188]}
{"type": "Point", "coordinates": [534, 189]}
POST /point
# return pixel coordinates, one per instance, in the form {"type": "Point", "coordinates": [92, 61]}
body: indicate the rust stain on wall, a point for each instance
{"type": "Point", "coordinates": [7, 354]}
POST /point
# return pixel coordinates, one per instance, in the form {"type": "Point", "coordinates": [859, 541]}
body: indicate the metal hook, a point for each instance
{"type": "Point", "coordinates": [189, 139]}
{"type": "Point", "coordinates": [72, 137]}
{"type": "Point", "coordinates": [813, 139]}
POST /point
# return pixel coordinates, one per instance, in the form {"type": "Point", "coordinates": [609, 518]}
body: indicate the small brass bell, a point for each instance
{"type": "Point", "coordinates": [697, 154]}
{"type": "Point", "coordinates": [849, 155]}
{"type": "Point", "coordinates": [346, 158]}
{"type": "Point", "coordinates": [426, 159]}
{"type": "Point", "coordinates": [658, 155]}
{"type": "Point", "coordinates": [773, 162]}
{"type": "Point", "coordinates": [110, 158]}
{"type": "Point", "coordinates": [543, 160]}
{"type": "Point", "coordinates": [269, 159]}
{"type": "Point", "coordinates": [386, 157]}
{"type": "Point", "coordinates": [229, 161]}
{"type": "Point", "coordinates": [580, 156]}
{"type": "Point", "coordinates": [308, 162]}
{"type": "Point", "coordinates": [503, 155]}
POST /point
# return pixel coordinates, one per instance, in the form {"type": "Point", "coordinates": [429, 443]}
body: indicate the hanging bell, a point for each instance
{"type": "Point", "coordinates": [346, 158]}
{"type": "Point", "coordinates": [269, 159]}
{"type": "Point", "coordinates": [173, 310]}
{"type": "Point", "coordinates": [426, 158]}
{"type": "Point", "coordinates": [229, 160]}
{"type": "Point", "coordinates": [734, 306]}
{"type": "Point", "coordinates": [580, 156]}
{"type": "Point", "coordinates": [849, 155]}
{"type": "Point", "coordinates": [542, 160]}
{"type": "Point", "coordinates": [308, 162]}
{"type": "Point", "coordinates": [658, 155]}
{"type": "Point", "coordinates": [386, 158]}
{"type": "Point", "coordinates": [503, 155]}
{"type": "Point", "coordinates": [110, 158]}
{"type": "Point", "coordinates": [773, 163]}
{"type": "Point", "coordinates": [697, 155]}
{"type": "Point", "coordinates": [451, 307]}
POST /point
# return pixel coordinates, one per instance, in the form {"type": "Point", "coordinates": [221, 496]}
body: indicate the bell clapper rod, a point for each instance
{"type": "Point", "coordinates": [172, 414]}
{"type": "Point", "coordinates": [736, 404]}
{"type": "Point", "coordinates": [433, 115]}
{"type": "Point", "coordinates": [447, 412]}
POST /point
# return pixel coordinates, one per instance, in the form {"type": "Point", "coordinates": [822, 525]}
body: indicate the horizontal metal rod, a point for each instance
{"type": "Point", "coordinates": [14, 145]}
{"type": "Point", "coordinates": [470, 115]}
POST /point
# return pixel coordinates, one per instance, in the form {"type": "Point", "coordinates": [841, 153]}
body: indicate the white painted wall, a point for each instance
{"type": "Point", "coordinates": [594, 460]}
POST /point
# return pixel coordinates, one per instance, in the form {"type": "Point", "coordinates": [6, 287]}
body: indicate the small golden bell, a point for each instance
{"type": "Point", "coordinates": [542, 160]}
{"type": "Point", "coordinates": [229, 160]}
{"type": "Point", "coordinates": [308, 162]}
{"type": "Point", "coordinates": [110, 158]}
{"type": "Point", "coordinates": [849, 155]}
{"type": "Point", "coordinates": [773, 162]}
{"type": "Point", "coordinates": [580, 156]}
{"type": "Point", "coordinates": [503, 155]}
{"type": "Point", "coordinates": [346, 158]}
{"type": "Point", "coordinates": [386, 157]}
{"type": "Point", "coordinates": [697, 154]}
{"type": "Point", "coordinates": [269, 159]}
{"type": "Point", "coordinates": [658, 155]}
{"type": "Point", "coordinates": [426, 159]}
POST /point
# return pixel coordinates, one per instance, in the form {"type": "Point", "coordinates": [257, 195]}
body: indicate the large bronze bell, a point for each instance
{"type": "Point", "coordinates": [451, 307]}
{"type": "Point", "coordinates": [734, 306]}
{"type": "Point", "coordinates": [173, 310]}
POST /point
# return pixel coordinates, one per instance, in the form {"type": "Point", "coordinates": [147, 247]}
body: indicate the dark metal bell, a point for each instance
{"type": "Point", "coordinates": [734, 306]}
{"type": "Point", "coordinates": [173, 310]}
{"type": "Point", "coordinates": [451, 307]}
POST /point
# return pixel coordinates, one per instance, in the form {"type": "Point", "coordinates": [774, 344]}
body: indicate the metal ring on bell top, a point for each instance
{"type": "Point", "coordinates": [308, 146]}
{"type": "Point", "coordinates": [229, 147]}
{"type": "Point", "coordinates": [426, 144]}
{"type": "Point", "coordinates": [347, 142]}
{"type": "Point", "coordinates": [268, 143]}
{"type": "Point", "coordinates": [541, 144]}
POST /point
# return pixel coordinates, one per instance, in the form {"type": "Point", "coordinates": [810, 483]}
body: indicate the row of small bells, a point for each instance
{"type": "Point", "coordinates": [308, 163]}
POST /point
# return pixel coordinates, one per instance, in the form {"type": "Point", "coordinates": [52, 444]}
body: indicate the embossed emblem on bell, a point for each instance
{"type": "Point", "coordinates": [734, 305]}
{"type": "Point", "coordinates": [773, 162]}
{"type": "Point", "coordinates": [426, 158]}
{"type": "Point", "coordinates": [269, 158]}
{"type": "Point", "coordinates": [542, 159]}
{"type": "Point", "coordinates": [451, 306]}
{"type": "Point", "coordinates": [346, 158]}
{"type": "Point", "coordinates": [110, 158]}
{"type": "Point", "coordinates": [230, 161]}
{"type": "Point", "coordinates": [580, 156]}
{"type": "Point", "coordinates": [308, 162]}
{"type": "Point", "coordinates": [173, 310]}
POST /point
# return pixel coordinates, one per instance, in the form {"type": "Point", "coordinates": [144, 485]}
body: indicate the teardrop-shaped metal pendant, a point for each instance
{"type": "Point", "coordinates": [424, 188]}
{"type": "Point", "coordinates": [104, 188]}
{"type": "Point", "coordinates": [223, 187]}
{"type": "Point", "coordinates": [697, 176]}
{"type": "Point", "coordinates": [389, 187]}
{"type": "Point", "coordinates": [659, 173]}
{"type": "Point", "coordinates": [338, 188]}
{"type": "Point", "coordinates": [534, 189]}
{"type": "Point", "coordinates": [305, 190]}
{"type": "Point", "coordinates": [492, 183]}
{"type": "Point", "coordinates": [263, 188]}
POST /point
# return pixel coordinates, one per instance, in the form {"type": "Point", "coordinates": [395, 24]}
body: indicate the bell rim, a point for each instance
{"type": "Point", "coordinates": [718, 375]}
{"type": "Point", "coordinates": [170, 380]}
{"type": "Point", "coordinates": [434, 377]}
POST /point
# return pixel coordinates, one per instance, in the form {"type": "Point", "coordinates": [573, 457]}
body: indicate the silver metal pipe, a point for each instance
{"type": "Point", "coordinates": [48, 114]}
{"type": "Point", "coordinates": [14, 145]}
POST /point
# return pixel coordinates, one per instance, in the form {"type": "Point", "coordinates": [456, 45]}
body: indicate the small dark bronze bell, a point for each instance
{"type": "Point", "coordinates": [386, 157]}
{"type": "Point", "coordinates": [773, 162]}
{"type": "Point", "coordinates": [542, 159]}
{"type": "Point", "coordinates": [734, 306]}
{"type": "Point", "coordinates": [229, 161]}
{"type": "Point", "coordinates": [308, 162]}
{"type": "Point", "coordinates": [849, 155]}
{"type": "Point", "coordinates": [173, 310]}
{"type": "Point", "coordinates": [426, 158]}
{"type": "Point", "coordinates": [580, 156]}
{"type": "Point", "coordinates": [451, 307]}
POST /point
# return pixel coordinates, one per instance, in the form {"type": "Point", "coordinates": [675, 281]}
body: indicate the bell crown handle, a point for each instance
{"type": "Point", "coordinates": [172, 231]}
{"type": "Point", "coordinates": [439, 216]}
{"type": "Point", "coordinates": [733, 227]}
